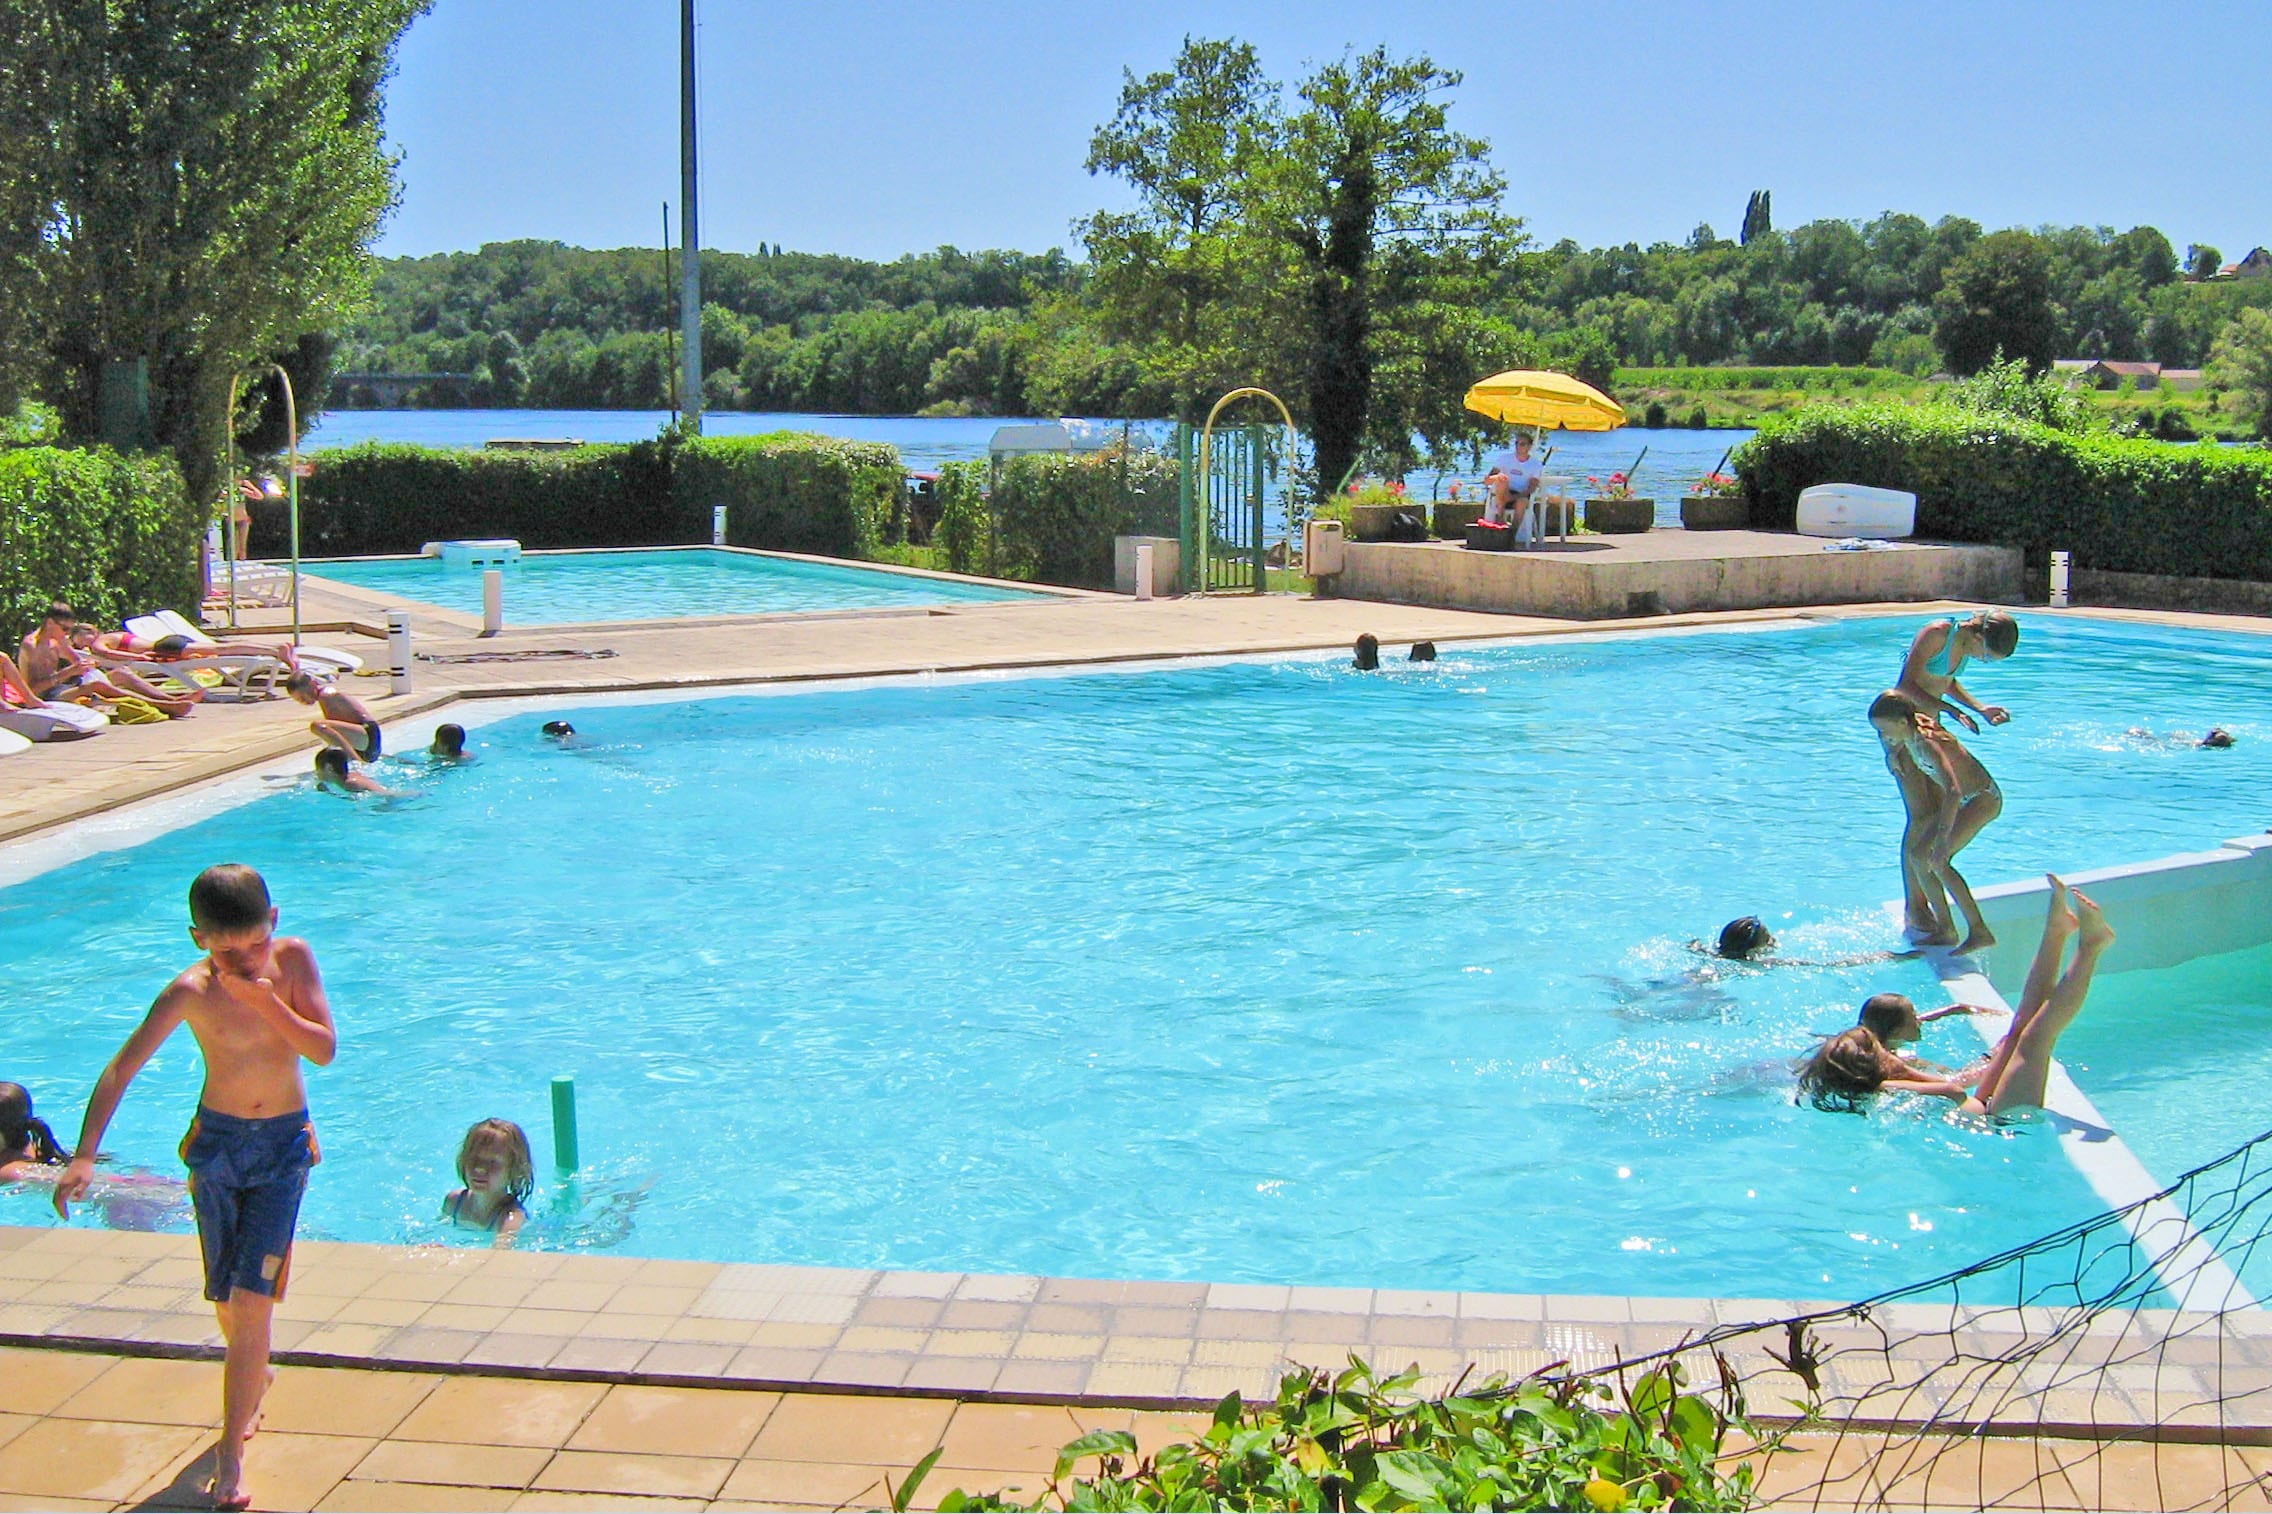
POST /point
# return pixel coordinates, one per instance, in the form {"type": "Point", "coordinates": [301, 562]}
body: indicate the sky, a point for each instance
{"type": "Point", "coordinates": [876, 129]}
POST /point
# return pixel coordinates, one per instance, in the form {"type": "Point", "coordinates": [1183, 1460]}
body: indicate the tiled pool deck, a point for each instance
{"type": "Point", "coordinates": [411, 1327]}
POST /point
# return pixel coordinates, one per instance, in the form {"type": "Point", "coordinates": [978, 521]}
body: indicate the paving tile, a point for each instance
{"type": "Point", "coordinates": [957, 1374]}
{"type": "Point", "coordinates": [882, 1339]}
{"type": "Point", "coordinates": [346, 1342]}
{"type": "Point", "coordinates": [620, 1472]}
{"type": "Point", "coordinates": [801, 1337]}
{"type": "Point", "coordinates": [674, 1421]}
{"type": "Point", "coordinates": [829, 1428]}
{"type": "Point", "coordinates": [1241, 1324]}
{"type": "Point", "coordinates": [478, 1318]}
{"type": "Point", "coordinates": [495, 1292]}
{"type": "Point", "coordinates": [358, 1497]}
{"type": "Point", "coordinates": [898, 1313]}
{"type": "Point", "coordinates": [1038, 1378]}
{"type": "Point", "coordinates": [1042, 1346]}
{"type": "Point", "coordinates": [1070, 1319]}
{"type": "Point", "coordinates": [151, 1392]}
{"type": "Point", "coordinates": [999, 1288]}
{"type": "Point", "coordinates": [526, 1353]}
{"type": "Point", "coordinates": [676, 1274]}
{"type": "Point", "coordinates": [1144, 1319]}
{"type": "Point", "coordinates": [1407, 1302]}
{"type": "Point", "coordinates": [653, 1298]}
{"type": "Point", "coordinates": [567, 1293]}
{"type": "Point", "coordinates": [335, 1402]}
{"type": "Point", "coordinates": [469, 1465]}
{"type": "Point", "coordinates": [774, 1364]}
{"type": "Point", "coordinates": [1330, 1300]}
{"type": "Point", "coordinates": [40, 1380]}
{"type": "Point", "coordinates": [502, 1411]}
{"type": "Point", "coordinates": [27, 1502]}
{"type": "Point", "coordinates": [1008, 1437]}
{"type": "Point", "coordinates": [82, 1458]}
{"type": "Point", "coordinates": [1146, 1348]}
{"type": "Point", "coordinates": [1411, 1330]}
{"type": "Point", "coordinates": [688, 1359]}
{"type": "Point", "coordinates": [377, 1311]}
{"type": "Point", "coordinates": [13, 1425]}
{"type": "Point", "coordinates": [614, 1326]}
{"type": "Point", "coordinates": [965, 1314]}
{"type": "Point", "coordinates": [829, 1484]}
{"type": "Point", "coordinates": [717, 1332]}
{"type": "Point", "coordinates": [428, 1346]}
{"type": "Point", "coordinates": [592, 1354]}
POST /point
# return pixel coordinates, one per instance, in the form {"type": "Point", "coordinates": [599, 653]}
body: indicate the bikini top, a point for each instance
{"type": "Point", "coordinates": [1942, 664]}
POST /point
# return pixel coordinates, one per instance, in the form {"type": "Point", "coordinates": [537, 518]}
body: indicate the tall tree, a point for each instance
{"type": "Point", "coordinates": [1758, 217]}
{"type": "Point", "coordinates": [206, 176]}
{"type": "Point", "coordinates": [1996, 298]}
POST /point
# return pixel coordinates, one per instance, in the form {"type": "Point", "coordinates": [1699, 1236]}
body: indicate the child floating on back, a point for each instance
{"type": "Point", "coordinates": [499, 1175]}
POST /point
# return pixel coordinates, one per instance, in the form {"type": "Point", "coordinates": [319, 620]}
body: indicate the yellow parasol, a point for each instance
{"type": "Point", "coordinates": [1532, 397]}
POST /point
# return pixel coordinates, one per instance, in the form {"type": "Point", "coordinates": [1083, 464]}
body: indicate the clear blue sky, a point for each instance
{"type": "Point", "coordinates": [881, 128]}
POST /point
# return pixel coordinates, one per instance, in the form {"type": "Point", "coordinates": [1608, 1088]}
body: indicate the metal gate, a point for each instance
{"type": "Point", "coordinates": [1222, 533]}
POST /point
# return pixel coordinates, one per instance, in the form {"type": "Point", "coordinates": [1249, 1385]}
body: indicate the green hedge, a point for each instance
{"type": "Point", "coordinates": [2119, 505]}
{"type": "Point", "coordinates": [1055, 514]}
{"type": "Point", "coordinates": [789, 491]}
{"type": "Point", "coordinates": [962, 530]}
{"type": "Point", "coordinates": [113, 533]}
{"type": "Point", "coordinates": [379, 498]}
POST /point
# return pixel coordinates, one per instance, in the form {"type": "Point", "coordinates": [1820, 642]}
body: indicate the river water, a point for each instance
{"type": "Point", "coordinates": [1669, 466]}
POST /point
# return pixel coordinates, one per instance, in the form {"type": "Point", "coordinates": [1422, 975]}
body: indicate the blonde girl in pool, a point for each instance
{"type": "Point", "coordinates": [1854, 1064]}
{"type": "Point", "coordinates": [498, 1174]}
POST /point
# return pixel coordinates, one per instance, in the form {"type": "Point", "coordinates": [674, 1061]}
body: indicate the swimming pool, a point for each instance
{"type": "Point", "coordinates": [553, 588]}
{"type": "Point", "coordinates": [1257, 971]}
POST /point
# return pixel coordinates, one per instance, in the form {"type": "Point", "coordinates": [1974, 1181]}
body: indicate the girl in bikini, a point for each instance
{"type": "Point", "coordinates": [1940, 784]}
{"type": "Point", "coordinates": [1854, 1064]}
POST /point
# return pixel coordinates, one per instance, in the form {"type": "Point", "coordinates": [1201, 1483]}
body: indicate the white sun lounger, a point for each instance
{"type": "Point", "coordinates": [173, 623]}
{"type": "Point", "coordinates": [52, 720]}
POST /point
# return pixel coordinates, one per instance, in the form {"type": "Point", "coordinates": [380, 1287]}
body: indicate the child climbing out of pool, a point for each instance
{"type": "Point", "coordinates": [334, 771]}
{"type": "Point", "coordinates": [499, 1175]}
{"type": "Point", "coordinates": [255, 1003]}
{"type": "Point", "coordinates": [1854, 1064]}
{"type": "Point", "coordinates": [343, 721]}
{"type": "Point", "coordinates": [1929, 682]}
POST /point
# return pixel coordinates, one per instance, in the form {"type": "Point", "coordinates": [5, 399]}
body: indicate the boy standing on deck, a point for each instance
{"type": "Point", "coordinates": [256, 1005]}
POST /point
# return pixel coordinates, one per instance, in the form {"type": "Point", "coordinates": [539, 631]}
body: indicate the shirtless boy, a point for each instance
{"type": "Point", "coordinates": [256, 1005]}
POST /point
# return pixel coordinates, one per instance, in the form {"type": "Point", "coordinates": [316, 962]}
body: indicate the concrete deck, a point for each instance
{"type": "Point", "coordinates": [1672, 572]}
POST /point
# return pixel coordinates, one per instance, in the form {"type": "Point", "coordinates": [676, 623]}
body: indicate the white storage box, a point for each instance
{"type": "Point", "coordinates": [1856, 510]}
{"type": "Point", "coordinates": [493, 553]}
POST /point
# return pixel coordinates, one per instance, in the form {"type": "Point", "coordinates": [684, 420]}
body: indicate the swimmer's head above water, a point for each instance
{"type": "Point", "coordinates": [2218, 738]}
{"type": "Point", "coordinates": [559, 730]}
{"type": "Point", "coordinates": [1996, 632]}
{"type": "Point", "coordinates": [449, 741]}
{"type": "Point", "coordinates": [1741, 940]}
{"type": "Point", "coordinates": [1892, 1018]}
{"type": "Point", "coordinates": [1847, 1068]}
{"type": "Point", "coordinates": [1368, 653]}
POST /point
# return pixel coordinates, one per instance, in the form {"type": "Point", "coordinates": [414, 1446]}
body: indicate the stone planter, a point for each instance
{"type": "Point", "coordinates": [1714, 512]}
{"type": "Point", "coordinates": [1371, 522]}
{"type": "Point", "coordinates": [1451, 518]}
{"type": "Point", "coordinates": [1620, 517]}
{"type": "Point", "coordinates": [1550, 517]}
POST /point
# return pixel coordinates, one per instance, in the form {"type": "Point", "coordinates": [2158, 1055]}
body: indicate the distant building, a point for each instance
{"type": "Point", "coordinates": [2257, 265]}
{"type": "Point", "coordinates": [2182, 380]}
{"type": "Point", "coordinates": [2106, 373]}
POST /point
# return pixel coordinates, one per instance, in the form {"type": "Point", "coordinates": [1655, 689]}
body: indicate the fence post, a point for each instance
{"type": "Point", "coordinates": [2059, 565]}
{"type": "Point", "coordinates": [492, 601]}
{"type": "Point", "coordinates": [1190, 571]}
{"type": "Point", "coordinates": [717, 525]}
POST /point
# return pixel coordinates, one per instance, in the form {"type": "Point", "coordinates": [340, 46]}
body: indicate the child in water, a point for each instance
{"type": "Point", "coordinates": [448, 745]}
{"type": "Point", "coordinates": [28, 1149]}
{"type": "Point", "coordinates": [334, 772]}
{"type": "Point", "coordinates": [499, 1175]}
{"type": "Point", "coordinates": [1854, 1064]}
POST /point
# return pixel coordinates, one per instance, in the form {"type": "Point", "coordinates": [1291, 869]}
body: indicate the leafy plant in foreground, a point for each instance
{"type": "Point", "coordinates": [1356, 1440]}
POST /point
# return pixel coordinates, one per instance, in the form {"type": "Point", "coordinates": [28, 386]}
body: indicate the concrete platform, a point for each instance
{"type": "Point", "coordinates": [1672, 572]}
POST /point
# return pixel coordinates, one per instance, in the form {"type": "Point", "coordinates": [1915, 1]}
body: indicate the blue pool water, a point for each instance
{"type": "Point", "coordinates": [1259, 971]}
{"type": "Point", "coordinates": [551, 588]}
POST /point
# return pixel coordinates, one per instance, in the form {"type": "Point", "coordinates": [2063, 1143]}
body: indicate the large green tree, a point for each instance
{"type": "Point", "coordinates": [1340, 248]}
{"type": "Point", "coordinates": [2242, 362]}
{"type": "Point", "coordinates": [204, 178]}
{"type": "Point", "coordinates": [1996, 298]}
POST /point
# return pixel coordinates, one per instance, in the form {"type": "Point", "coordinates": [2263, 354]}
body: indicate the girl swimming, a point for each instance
{"type": "Point", "coordinates": [1854, 1064]}
{"type": "Point", "coordinates": [26, 1144]}
{"type": "Point", "coordinates": [494, 1165]}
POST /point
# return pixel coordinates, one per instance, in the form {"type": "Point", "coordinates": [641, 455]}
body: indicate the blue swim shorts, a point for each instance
{"type": "Point", "coordinates": [246, 1178]}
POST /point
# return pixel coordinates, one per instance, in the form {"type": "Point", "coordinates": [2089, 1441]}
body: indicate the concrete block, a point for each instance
{"type": "Point", "coordinates": [1167, 563]}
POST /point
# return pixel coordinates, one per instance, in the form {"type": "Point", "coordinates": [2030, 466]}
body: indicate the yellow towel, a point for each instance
{"type": "Point", "coordinates": [134, 710]}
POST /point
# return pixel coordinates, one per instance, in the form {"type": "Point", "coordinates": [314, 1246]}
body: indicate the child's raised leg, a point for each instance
{"type": "Point", "coordinates": [2042, 974]}
{"type": "Point", "coordinates": [2020, 1082]}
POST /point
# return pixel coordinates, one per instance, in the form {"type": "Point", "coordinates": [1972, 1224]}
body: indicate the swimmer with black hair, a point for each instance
{"type": "Point", "coordinates": [334, 772]}
{"type": "Point", "coordinates": [448, 745]}
{"type": "Point", "coordinates": [28, 1149]}
{"type": "Point", "coordinates": [1423, 651]}
{"type": "Point", "coordinates": [2218, 739]}
{"type": "Point", "coordinates": [1368, 659]}
{"type": "Point", "coordinates": [1854, 1064]}
{"type": "Point", "coordinates": [1749, 941]}
{"type": "Point", "coordinates": [559, 730]}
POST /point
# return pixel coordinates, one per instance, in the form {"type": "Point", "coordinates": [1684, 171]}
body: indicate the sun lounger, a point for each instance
{"type": "Point", "coordinates": [166, 623]}
{"type": "Point", "coordinates": [50, 720]}
{"type": "Point", "coordinates": [258, 583]}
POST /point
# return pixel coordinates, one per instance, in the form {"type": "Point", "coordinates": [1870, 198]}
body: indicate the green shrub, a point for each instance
{"type": "Point", "coordinates": [380, 498]}
{"type": "Point", "coordinates": [32, 424]}
{"type": "Point", "coordinates": [113, 533]}
{"type": "Point", "coordinates": [1055, 514]}
{"type": "Point", "coordinates": [1653, 415]}
{"type": "Point", "coordinates": [1355, 1441]}
{"type": "Point", "coordinates": [963, 527]}
{"type": "Point", "coordinates": [789, 491]}
{"type": "Point", "coordinates": [2119, 505]}
{"type": "Point", "coordinates": [1697, 419]}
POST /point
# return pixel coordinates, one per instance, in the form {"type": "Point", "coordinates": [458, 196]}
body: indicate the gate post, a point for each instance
{"type": "Point", "coordinates": [1193, 569]}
